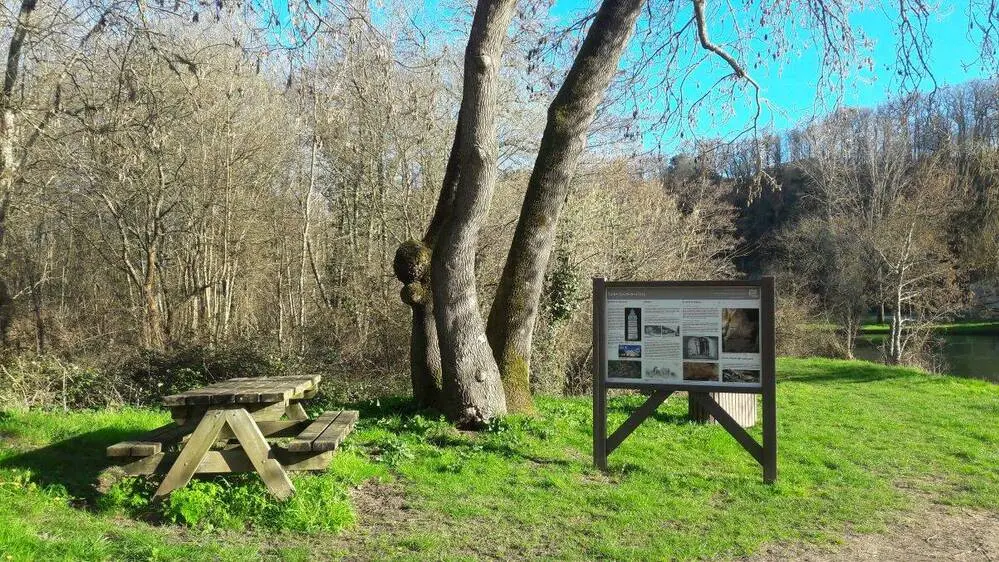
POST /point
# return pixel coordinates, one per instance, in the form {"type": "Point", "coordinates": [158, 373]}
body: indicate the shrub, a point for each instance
{"type": "Point", "coordinates": [151, 375]}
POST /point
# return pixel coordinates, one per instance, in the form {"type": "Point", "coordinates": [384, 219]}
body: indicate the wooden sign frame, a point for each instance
{"type": "Point", "coordinates": [604, 445]}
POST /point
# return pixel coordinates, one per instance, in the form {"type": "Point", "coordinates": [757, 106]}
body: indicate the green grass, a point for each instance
{"type": "Point", "coordinates": [962, 328]}
{"type": "Point", "coordinates": [857, 441]}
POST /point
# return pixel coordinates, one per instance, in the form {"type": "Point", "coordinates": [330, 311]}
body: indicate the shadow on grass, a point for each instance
{"type": "Point", "coordinates": [73, 463]}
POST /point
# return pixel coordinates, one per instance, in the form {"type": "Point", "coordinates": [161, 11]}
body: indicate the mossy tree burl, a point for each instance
{"type": "Point", "coordinates": [474, 370]}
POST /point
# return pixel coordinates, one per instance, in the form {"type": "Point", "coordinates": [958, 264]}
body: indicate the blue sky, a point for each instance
{"type": "Point", "coordinates": [791, 87]}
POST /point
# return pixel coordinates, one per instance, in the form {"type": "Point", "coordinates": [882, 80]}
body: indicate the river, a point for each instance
{"type": "Point", "coordinates": [975, 356]}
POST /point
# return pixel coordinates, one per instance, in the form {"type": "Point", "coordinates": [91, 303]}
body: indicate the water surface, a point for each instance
{"type": "Point", "coordinates": [975, 356]}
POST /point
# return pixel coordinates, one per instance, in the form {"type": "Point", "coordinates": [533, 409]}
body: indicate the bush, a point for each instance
{"type": "Point", "coordinates": [151, 375]}
{"type": "Point", "coordinates": [144, 379]}
{"type": "Point", "coordinates": [34, 381]}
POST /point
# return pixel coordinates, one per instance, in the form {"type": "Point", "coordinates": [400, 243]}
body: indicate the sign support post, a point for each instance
{"type": "Point", "coordinates": [599, 391]}
{"type": "Point", "coordinates": [693, 336]}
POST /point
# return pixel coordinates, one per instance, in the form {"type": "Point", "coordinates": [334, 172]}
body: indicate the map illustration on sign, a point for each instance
{"type": "Point", "coordinates": [688, 335]}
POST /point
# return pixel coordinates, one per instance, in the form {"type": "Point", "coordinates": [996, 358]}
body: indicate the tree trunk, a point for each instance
{"type": "Point", "coordinates": [153, 329]}
{"type": "Point", "coordinates": [6, 312]}
{"type": "Point", "coordinates": [36, 308]}
{"type": "Point", "coordinates": [412, 268]}
{"type": "Point", "coordinates": [895, 345]}
{"type": "Point", "coordinates": [849, 335]}
{"type": "Point", "coordinates": [515, 307]}
{"type": "Point", "coordinates": [473, 391]}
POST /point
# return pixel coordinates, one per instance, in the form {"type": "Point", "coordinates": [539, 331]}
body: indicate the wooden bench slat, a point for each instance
{"type": "Point", "coordinates": [331, 438]}
{"type": "Point", "coordinates": [304, 440]}
{"type": "Point", "coordinates": [150, 443]}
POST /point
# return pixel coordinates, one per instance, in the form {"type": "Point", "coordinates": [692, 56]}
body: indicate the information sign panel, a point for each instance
{"type": "Point", "coordinates": [700, 337]}
{"type": "Point", "coordinates": [683, 335]}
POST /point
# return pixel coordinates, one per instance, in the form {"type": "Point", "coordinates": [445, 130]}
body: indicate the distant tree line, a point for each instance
{"type": "Point", "coordinates": [890, 211]}
{"type": "Point", "coordinates": [350, 190]}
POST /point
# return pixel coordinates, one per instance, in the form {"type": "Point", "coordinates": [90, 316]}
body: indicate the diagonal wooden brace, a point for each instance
{"type": "Point", "coordinates": [636, 418]}
{"type": "Point", "coordinates": [193, 453]}
{"type": "Point", "coordinates": [259, 452]}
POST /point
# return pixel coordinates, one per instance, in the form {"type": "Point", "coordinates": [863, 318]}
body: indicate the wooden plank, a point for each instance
{"type": "Point", "coordinates": [295, 411]}
{"type": "Point", "coordinates": [231, 461]}
{"type": "Point", "coordinates": [173, 400]}
{"type": "Point", "coordinates": [149, 443]}
{"type": "Point", "coordinates": [126, 448]}
{"type": "Point", "coordinates": [304, 441]}
{"type": "Point", "coordinates": [251, 394]}
{"type": "Point", "coordinates": [258, 451]}
{"type": "Point", "coordinates": [246, 390]}
{"type": "Point", "coordinates": [190, 456]}
{"type": "Point", "coordinates": [267, 412]}
{"type": "Point", "coordinates": [260, 411]}
{"type": "Point", "coordinates": [222, 462]}
{"type": "Point", "coordinates": [636, 418]}
{"type": "Point", "coordinates": [331, 438]}
{"type": "Point", "coordinates": [274, 429]}
{"type": "Point", "coordinates": [148, 465]}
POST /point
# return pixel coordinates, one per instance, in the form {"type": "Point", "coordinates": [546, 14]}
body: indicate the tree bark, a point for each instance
{"type": "Point", "coordinates": [895, 345]}
{"type": "Point", "coordinates": [472, 389]}
{"type": "Point", "coordinates": [515, 308]}
{"type": "Point", "coordinates": [6, 312]}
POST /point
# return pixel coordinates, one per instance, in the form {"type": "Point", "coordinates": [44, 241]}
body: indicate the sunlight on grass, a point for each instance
{"type": "Point", "coordinates": [850, 432]}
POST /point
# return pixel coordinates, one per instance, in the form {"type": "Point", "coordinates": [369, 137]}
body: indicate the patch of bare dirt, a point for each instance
{"type": "Point", "coordinates": [937, 532]}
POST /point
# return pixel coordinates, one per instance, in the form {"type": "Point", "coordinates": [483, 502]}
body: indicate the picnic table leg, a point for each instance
{"type": "Point", "coordinates": [191, 455]}
{"type": "Point", "coordinates": [258, 451]}
{"type": "Point", "coordinates": [296, 412]}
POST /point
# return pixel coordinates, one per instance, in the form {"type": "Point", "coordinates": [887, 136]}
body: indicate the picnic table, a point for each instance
{"type": "Point", "coordinates": [225, 427]}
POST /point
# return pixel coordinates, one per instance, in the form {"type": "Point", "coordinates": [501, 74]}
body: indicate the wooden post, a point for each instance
{"type": "Point", "coordinates": [741, 406]}
{"type": "Point", "coordinates": [296, 412]}
{"type": "Point", "coordinates": [599, 390]}
{"type": "Point", "coordinates": [768, 359]}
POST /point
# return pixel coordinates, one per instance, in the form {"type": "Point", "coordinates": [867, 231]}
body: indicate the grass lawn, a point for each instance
{"type": "Point", "coordinates": [964, 328]}
{"type": "Point", "coordinates": [858, 442]}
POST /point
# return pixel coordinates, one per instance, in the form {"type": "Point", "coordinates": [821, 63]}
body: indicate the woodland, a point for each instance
{"type": "Point", "coordinates": [193, 192]}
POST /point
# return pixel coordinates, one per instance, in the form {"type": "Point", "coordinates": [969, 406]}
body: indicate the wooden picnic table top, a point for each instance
{"type": "Point", "coordinates": [246, 390]}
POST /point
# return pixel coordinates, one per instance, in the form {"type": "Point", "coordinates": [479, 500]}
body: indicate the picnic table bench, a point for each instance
{"type": "Point", "coordinates": [225, 427]}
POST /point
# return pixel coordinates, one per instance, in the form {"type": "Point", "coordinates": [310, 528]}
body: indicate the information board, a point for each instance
{"type": "Point", "coordinates": [683, 335]}
{"type": "Point", "coordinates": [701, 337]}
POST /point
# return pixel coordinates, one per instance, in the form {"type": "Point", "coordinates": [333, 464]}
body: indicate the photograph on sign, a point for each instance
{"type": "Point", "coordinates": [683, 335]}
{"type": "Point", "coordinates": [741, 330]}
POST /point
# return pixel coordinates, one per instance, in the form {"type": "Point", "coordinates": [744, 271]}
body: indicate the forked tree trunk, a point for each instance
{"type": "Point", "coordinates": [472, 389]}
{"type": "Point", "coordinates": [515, 308]}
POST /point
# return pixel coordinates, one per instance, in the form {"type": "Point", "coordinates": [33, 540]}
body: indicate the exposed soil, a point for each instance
{"type": "Point", "coordinates": [937, 532]}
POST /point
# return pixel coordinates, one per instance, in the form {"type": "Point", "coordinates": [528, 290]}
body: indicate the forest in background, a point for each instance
{"type": "Point", "coordinates": [182, 208]}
